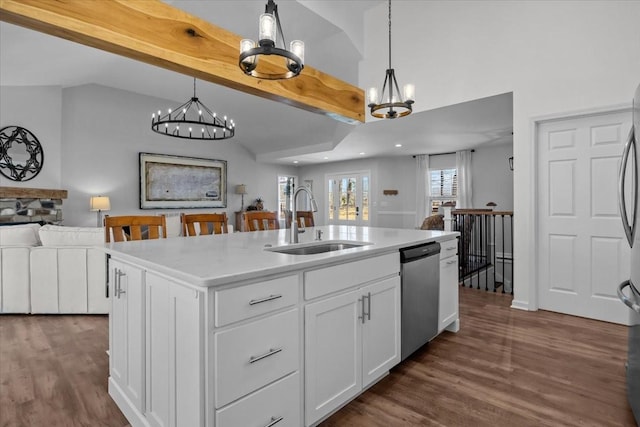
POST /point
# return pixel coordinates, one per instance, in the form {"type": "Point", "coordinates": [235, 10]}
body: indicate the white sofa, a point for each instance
{"type": "Point", "coordinates": [52, 269]}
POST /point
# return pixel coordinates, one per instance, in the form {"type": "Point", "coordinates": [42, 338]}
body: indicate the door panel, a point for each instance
{"type": "Point", "coordinates": [348, 199]}
{"type": "Point", "coordinates": [581, 255]}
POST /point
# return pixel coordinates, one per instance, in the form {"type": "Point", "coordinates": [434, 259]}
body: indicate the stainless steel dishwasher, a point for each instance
{"type": "Point", "coordinates": [420, 273]}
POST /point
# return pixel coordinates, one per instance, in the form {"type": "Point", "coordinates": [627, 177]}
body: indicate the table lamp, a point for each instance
{"type": "Point", "coordinates": [99, 203]}
{"type": "Point", "coordinates": [241, 189]}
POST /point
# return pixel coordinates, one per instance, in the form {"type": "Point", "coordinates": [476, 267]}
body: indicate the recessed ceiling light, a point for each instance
{"type": "Point", "coordinates": [362, 154]}
{"type": "Point", "coordinates": [295, 161]}
{"type": "Point", "coordinates": [398, 145]}
{"type": "Point", "coordinates": [326, 158]}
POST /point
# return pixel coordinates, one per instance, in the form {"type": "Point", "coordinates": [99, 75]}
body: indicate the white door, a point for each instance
{"type": "Point", "coordinates": [348, 199]}
{"type": "Point", "coordinates": [582, 251]}
{"type": "Point", "coordinates": [381, 329]}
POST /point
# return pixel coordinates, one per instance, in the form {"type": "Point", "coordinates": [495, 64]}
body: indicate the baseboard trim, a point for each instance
{"type": "Point", "coordinates": [520, 305]}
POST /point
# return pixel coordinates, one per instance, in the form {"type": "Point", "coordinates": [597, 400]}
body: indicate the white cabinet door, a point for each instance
{"type": "Point", "coordinates": [448, 300]}
{"type": "Point", "coordinates": [174, 361]}
{"type": "Point", "coordinates": [333, 354]}
{"type": "Point", "coordinates": [126, 329]}
{"type": "Point", "coordinates": [381, 329]}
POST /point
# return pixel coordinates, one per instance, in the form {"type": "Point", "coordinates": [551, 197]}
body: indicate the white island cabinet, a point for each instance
{"type": "Point", "coordinates": [448, 298]}
{"type": "Point", "coordinates": [220, 331]}
{"type": "Point", "coordinates": [353, 338]}
{"type": "Point", "coordinates": [126, 337]}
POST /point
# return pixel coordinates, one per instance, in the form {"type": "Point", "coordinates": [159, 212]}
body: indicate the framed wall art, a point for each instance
{"type": "Point", "coordinates": [176, 182]}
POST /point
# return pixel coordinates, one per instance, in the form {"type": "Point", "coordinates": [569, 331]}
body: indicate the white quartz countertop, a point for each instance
{"type": "Point", "coordinates": [226, 258]}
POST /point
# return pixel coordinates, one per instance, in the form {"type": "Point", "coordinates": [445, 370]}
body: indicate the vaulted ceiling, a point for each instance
{"type": "Point", "coordinates": [333, 33]}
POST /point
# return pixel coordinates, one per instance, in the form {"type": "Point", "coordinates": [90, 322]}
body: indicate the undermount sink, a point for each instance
{"type": "Point", "coordinates": [317, 248]}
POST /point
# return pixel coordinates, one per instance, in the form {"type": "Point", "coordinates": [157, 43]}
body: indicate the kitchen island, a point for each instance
{"type": "Point", "coordinates": [224, 330]}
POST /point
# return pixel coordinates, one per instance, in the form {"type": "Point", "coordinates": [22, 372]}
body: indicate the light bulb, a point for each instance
{"type": "Point", "coordinates": [245, 45]}
{"type": "Point", "coordinates": [409, 91]}
{"type": "Point", "coordinates": [297, 47]}
{"type": "Point", "coordinates": [372, 95]}
{"type": "Point", "coordinates": [267, 29]}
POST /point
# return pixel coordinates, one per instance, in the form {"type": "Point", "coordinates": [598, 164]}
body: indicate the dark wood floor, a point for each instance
{"type": "Point", "coordinates": [504, 368]}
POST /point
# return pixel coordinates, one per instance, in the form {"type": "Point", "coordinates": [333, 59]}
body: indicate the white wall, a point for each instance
{"type": "Point", "coordinates": [393, 173]}
{"type": "Point", "coordinates": [492, 179]}
{"type": "Point", "coordinates": [91, 136]}
{"type": "Point", "coordinates": [555, 56]}
{"type": "Point", "coordinates": [36, 108]}
{"type": "Point", "coordinates": [103, 131]}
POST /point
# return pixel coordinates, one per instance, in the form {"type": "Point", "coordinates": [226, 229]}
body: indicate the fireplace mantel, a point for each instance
{"type": "Point", "coordinates": [31, 193]}
{"type": "Point", "coordinates": [20, 205]}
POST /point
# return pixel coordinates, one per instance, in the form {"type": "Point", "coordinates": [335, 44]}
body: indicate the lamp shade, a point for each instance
{"type": "Point", "coordinates": [241, 189]}
{"type": "Point", "coordinates": [99, 203]}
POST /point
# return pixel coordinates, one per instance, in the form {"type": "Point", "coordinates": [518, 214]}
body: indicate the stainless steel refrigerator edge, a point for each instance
{"type": "Point", "coordinates": [630, 211]}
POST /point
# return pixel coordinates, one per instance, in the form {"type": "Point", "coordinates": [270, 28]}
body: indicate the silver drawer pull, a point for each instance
{"type": "Point", "coordinates": [274, 421]}
{"type": "Point", "coordinates": [452, 262]}
{"type": "Point", "coordinates": [453, 248]}
{"type": "Point", "coordinates": [265, 299]}
{"type": "Point", "coordinates": [118, 284]}
{"type": "Point", "coordinates": [271, 352]}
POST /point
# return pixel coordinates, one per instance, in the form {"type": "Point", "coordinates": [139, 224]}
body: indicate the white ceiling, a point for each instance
{"type": "Point", "coordinates": [333, 35]}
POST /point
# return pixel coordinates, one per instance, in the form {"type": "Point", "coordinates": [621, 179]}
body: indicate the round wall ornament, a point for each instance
{"type": "Point", "coordinates": [21, 155]}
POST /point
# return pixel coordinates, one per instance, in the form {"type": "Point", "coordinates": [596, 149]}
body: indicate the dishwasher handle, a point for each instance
{"type": "Point", "coordinates": [415, 253]}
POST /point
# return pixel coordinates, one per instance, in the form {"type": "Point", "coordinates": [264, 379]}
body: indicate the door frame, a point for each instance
{"type": "Point", "coordinates": [366, 172]}
{"type": "Point", "coordinates": [532, 303]}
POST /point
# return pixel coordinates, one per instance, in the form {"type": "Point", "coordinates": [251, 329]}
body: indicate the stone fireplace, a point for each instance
{"type": "Point", "coordinates": [19, 205]}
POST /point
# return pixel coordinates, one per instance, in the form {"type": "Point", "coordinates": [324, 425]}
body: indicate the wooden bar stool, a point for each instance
{"type": "Point", "coordinates": [134, 227]}
{"type": "Point", "coordinates": [208, 223]}
{"type": "Point", "coordinates": [305, 219]}
{"type": "Point", "coordinates": [260, 220]}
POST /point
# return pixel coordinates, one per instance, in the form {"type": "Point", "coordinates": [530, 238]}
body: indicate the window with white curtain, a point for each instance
{"type": "Point", "coordinates": [443, 189]}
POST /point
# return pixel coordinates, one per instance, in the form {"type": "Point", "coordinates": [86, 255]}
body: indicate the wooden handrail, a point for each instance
{"type": "Point", "coordinates": [480, 212]}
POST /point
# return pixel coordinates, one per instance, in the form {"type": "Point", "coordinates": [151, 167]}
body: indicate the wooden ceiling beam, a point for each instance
{"type": "Point", "coordinates": [161, 35]}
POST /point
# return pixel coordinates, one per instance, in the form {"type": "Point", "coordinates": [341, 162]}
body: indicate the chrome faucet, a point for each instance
{"type": "Point", "coordinates": [294, 213]}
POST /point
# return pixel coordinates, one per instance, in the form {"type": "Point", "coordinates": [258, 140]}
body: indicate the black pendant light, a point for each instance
{"type": "Point", "coordinates": [270, 33]}
{"type": "Point", "coordinates": [193, 120]}
{"type": "Point", "coordinates": [390, 103]}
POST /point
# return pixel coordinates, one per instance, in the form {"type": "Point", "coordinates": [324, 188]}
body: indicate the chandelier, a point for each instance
{"type": "Point", "coordinates": [193, 120]}
{"type": "Point", "coordinates": [389, 101]}
{"type": "Point", "coordinates": [270, 32]}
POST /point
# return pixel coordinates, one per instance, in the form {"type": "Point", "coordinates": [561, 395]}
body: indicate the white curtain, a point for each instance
{"type": "Point", "coordinates": [463, 165]}
{"type": "Point", "coordinates": [423, 186]}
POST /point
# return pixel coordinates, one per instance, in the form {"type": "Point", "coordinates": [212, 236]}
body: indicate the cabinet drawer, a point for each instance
{"type": "Point", "coordinates": [245, 302]}
{"type": "Point", "coordinates": [448, 248]}
{"type": "Point", "coordinates": [279, 401]}
{"type": "Point", "coordinates": [251, 356]}
{"type": "Point", "coordinates": [344, 276]}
